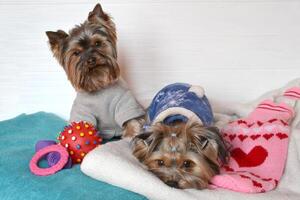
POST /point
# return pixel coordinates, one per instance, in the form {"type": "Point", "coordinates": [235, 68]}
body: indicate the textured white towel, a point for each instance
{"type": "Point", "coordinates": [113, 163]}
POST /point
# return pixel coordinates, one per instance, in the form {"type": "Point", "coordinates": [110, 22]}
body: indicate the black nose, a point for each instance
{"type": "Point", "coordinates": [173, 184]}
{"type": "Point", "coordinates": [91, 61]}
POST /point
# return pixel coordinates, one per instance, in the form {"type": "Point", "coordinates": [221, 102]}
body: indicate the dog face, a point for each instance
{"type": "Point", "coordinates": [185, 155]}
{"type": "Point", "coordinates": [88, 53]}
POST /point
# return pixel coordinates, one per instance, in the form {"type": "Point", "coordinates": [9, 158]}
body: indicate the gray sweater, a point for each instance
{"type": "Point", "coordinates": [107, 109]}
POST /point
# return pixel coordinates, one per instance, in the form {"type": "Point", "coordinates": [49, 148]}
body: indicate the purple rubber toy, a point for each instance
{"type": "Point", "coordinates": [53, 157]}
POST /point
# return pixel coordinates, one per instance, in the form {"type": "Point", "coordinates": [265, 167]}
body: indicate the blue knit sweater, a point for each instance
{"type": "Point", "coordinates": [180, 101]}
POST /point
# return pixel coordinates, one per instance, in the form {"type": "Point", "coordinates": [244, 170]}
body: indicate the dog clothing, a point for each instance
{"type": "Point", "coordinates": [107, 109]}
{"type": "Point", "coordinates": [259, 145]}
{"type": "Point", "coordinates": [180, 101]}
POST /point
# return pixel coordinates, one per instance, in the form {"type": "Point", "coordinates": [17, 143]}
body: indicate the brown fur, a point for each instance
{"type": "Point", "coordinates": [133, 127]}
{"type": "Point", "coordinates": [88, 54]}
{"type": "Point", "coordinates": [183, 155]}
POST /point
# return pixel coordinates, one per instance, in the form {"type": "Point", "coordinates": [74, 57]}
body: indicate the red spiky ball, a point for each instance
{"type": "Point", "coordinates": [79, 138]}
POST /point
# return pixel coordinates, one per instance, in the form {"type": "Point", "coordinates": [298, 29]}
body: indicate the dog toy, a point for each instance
{"type": "Point", "coordinates": [75, 141]}
{"type": "Point", "coordinates": [79, 138]}
{"type": "Point", "coordinates": [44, 151]}
{"type": "Point", "coordinates": [53, 157]}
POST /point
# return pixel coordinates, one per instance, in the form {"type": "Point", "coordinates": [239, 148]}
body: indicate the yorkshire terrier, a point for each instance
{"type": "Point", "coordinates": [88, 55]}
{"type": "Point", "coordinates": [181, 147]}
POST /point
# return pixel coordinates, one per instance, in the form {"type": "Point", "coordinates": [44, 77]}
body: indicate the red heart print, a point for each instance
{"type": "Point", "coordinates": [272, 120]}
{"type": "Point", "coordinates": [256, 184]}
{"type": "Point", "coordinates": [231, 137]}
{"type": "Point", "coordinates": [228, 169]}
{"type": "Point", "coordinates": [284, 123]}
{"type": "Point", "coordinates": [254, 137]}
{"type": "Point", "coordinates": [281, 135]}
{"type": "Point", "coordinates": [242, 137]}
{"type": "Point", "coordinates": [266, 179]}
{"type": "Point", "coordinates": [254, 175]}
{"type": "Point", "coordinates": [244, 176]}
{"type": "Point", "coordinates": [259, 123]}
{"type": "Point", "coordinates": [249, 125]}
{"type": "Point", "coordinates": [268, 136]}
{"type": "Point", "coordinates": [225, 134]}
{"type": "Point", "coordinates": [252, 159]}
{"type": "Point", "coordinates": [241, 122]}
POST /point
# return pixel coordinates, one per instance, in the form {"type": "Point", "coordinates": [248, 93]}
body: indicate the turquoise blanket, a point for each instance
{"type": "Point", "coordinates": [17, 139]}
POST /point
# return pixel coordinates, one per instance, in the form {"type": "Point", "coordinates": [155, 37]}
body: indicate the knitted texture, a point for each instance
{"type": "Point", "coordinates": [180, 101]}
{"type": "Point", "coordinates": [258, 147]}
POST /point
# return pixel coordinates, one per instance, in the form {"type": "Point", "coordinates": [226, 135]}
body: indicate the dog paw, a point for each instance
{"type": "Point", "coordinates": [132, 128]}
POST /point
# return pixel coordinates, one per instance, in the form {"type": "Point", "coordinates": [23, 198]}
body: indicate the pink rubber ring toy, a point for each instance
{"type": "Point", "coordinates": [35, 169]}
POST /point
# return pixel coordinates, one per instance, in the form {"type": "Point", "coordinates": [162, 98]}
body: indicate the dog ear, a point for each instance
{"type": "Point", "coordinates": [56, 39]}
{"type": "Point", "coordinates": [208, 141]}
{"type": "Point", "coordinates": [97, 12]}
{"type": "Point", "coordinates": [145, 143]}
{"type": "Point", "coordinates": [140, 145]}
{"type": "Point", "coordinates": [220, 145]}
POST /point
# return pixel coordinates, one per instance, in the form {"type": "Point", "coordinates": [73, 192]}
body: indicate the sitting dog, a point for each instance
{"type": "Point", "coordinates": [88, 54]}
{"type": "Point", "coordinates": [181, 146]}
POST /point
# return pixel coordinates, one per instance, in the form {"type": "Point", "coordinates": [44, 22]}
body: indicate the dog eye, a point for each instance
{"type": "Point", "coordinates": [160, 162]}
{"type": "Point", "coordinates": [187, 164]}
{"type": "Point", "coordinates": [76, 53]}
{"type": "Point", "coordinates": [98, 44]}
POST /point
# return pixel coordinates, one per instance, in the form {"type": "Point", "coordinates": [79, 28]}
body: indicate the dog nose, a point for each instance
{"type": "Point", "coordinates": [173, 184]}
{"type": "Point", "coordinates": [91, 61]}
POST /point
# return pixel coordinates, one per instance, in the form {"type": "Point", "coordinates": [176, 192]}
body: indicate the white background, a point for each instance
{"type": "Point", "coordinates": [236, 49]}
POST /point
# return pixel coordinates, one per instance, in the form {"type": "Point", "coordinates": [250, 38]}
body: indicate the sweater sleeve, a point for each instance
{"type": "Point", "coordinates": [82, 111]}
{"type": "Point", "coordinates": [127, 108]}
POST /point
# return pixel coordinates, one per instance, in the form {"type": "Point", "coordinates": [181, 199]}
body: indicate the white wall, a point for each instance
{"type": "Point", "coordinates": [236, 49]}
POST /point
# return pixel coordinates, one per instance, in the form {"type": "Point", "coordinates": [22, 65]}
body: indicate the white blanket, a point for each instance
{"type": "Point", "coordinates": [113, 163]}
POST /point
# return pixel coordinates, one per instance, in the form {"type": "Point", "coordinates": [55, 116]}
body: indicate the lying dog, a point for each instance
{"type": "Point", "coordinates": [181, 146]}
